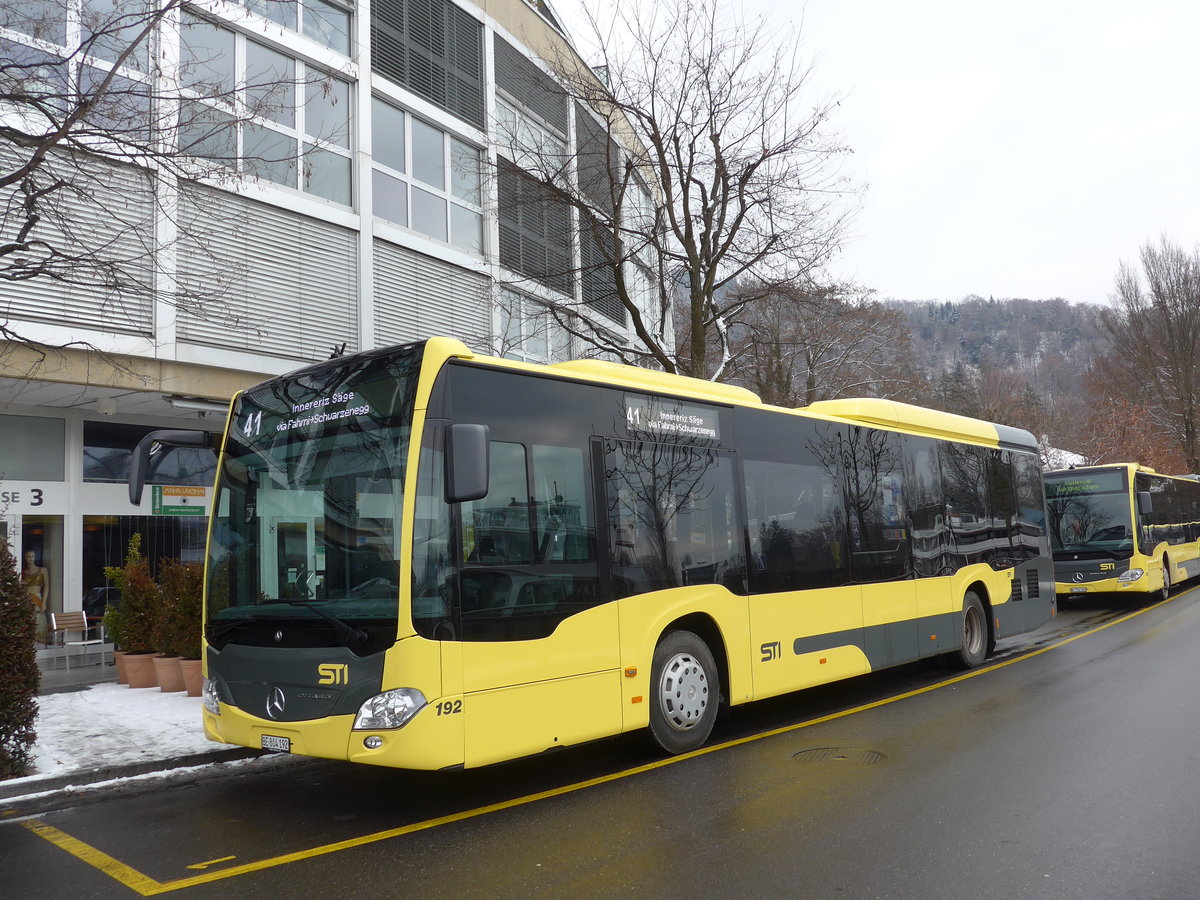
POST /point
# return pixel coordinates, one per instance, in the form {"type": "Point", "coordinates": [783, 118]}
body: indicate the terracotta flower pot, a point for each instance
{"type": "Point", "coordinates": [119, 659]}
{"type": "Point", "coordinates": [140, 669]}
{"type": "Point", "coordinates": [170, 676]}
{"type": "Point", "coordinates": [193, 675]}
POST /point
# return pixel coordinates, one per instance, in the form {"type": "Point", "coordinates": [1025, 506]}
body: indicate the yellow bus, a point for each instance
{"type": "Point", "coordinates": [425, 558]}
{"type": "Point", "coordinates": [1122, 528]}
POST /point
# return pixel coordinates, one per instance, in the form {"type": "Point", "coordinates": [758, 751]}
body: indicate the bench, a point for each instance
{"type": "Point", "coordinates": [63, 623]}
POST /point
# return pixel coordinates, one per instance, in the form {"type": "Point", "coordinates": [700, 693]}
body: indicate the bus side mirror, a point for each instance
{"type": "Point", "coordinates": [466, 462]}
{"type": "Point", "coordinates": [1145, 503]}
{"type": "Point", "coordinates": [140, 464]}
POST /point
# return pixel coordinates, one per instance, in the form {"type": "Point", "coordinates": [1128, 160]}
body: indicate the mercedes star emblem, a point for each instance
{"type": "Point", "coordinates": [275, 703]}
{"type": "Point", "coordinates": [1078, 576]}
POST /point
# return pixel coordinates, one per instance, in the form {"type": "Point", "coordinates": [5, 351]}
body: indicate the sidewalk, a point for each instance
{"type": "Point", "coordinates": [94, 736]}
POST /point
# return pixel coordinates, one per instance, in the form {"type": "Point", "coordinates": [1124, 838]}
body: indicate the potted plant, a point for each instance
{"type": "Point", "coordinates": [140, 602]}
{"type": "Point", "coordinates": [114, 630]}
{"type": "Point", "coordinates": [166, 661]}
{"type": "Point", "coordinates": [182, 590]}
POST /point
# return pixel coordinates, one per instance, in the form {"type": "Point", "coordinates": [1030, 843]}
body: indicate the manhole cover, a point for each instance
{"type": "Point", "coordinates": [847, 756]}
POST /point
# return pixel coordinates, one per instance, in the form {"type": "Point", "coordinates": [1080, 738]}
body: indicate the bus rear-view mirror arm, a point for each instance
{"type": "Point", "coordinates": [467, 464]}
{"type": "Point", "coordinates": [140, 464]}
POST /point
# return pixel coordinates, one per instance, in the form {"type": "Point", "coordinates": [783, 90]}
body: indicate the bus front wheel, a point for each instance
{"type": "Point", "coordinates": [974, 647]}
{"type": "Point", "coordinates": [1166, 587]}
{"type": "Point", "coordinates": [684, 692]}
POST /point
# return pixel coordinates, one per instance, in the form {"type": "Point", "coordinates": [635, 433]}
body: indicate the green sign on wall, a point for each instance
{"type": "Point", "coordinates": [177, 500]}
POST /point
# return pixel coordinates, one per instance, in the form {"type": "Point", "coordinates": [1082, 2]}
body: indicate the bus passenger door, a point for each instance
{"type": "Point", "coordinates": [880, 552]}
{"type": "Point", "coordinates": [540, 648]}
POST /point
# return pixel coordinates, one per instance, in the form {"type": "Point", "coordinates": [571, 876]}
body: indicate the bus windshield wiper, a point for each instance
{"type": "Point", "coordinates": [216, 631]}
{"type": "Point", "coordinates": [351, 636]}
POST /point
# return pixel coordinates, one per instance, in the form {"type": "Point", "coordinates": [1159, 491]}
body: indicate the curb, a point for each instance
{"type": "Point", "coordinates": [23, 797]}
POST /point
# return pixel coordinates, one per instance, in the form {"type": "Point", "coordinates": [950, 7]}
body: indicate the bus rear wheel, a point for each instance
{"type": "Point", "coordinates": [684, 692]}
{"type": "Point", "coordinates": [974, 646]}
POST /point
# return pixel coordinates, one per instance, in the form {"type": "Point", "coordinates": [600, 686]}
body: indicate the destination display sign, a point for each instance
{"type": "Point", "coordinates": [1091, 483]}
{"type": "Point", "coordinates": [664, 419]}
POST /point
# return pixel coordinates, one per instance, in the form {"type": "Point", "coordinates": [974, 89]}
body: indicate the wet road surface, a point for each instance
{"type": "Point", "coordinates": [1068, 768]}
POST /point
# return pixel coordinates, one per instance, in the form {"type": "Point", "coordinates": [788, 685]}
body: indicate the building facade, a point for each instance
{"type": "Point", "coordinates": [385, 197]}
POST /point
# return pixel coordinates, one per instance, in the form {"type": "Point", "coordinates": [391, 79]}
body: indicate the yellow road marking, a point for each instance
{"type": "Point", "coordinates": [211, 862]}
{"type": "Point", "coordinates": [147, 886]}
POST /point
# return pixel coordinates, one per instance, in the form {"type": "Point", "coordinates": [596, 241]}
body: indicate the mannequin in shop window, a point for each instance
{"type": "Point", "coordinates": [37, 582]}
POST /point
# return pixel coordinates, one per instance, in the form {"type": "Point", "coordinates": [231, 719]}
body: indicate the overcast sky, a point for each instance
{"type": "Point", "coordinates": [1020, 149]}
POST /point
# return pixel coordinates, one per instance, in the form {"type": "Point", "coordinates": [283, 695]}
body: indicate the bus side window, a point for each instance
{"type": "Point", "coordinates": [878, 518]}
{"type": "Point", "coordinates": [670, 512]}
{"type": "Point", "coordinates": [795, 527]}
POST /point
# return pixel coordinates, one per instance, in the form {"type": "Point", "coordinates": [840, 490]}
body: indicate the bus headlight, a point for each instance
{"type": "Point", "coordinates": [1131, 575]}
{"type": "Point", "coordinates": [391, 709]}
{"type": "Point", "coordinates": [212, 700]}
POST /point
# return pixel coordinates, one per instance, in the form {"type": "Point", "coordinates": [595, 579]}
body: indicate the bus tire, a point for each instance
{"type": "Point", "coordinates": [685, 690]}
{"type": "Point", "coordinates": [973, 649]}
{"type": "Point", "coordinates": [1166, 585]}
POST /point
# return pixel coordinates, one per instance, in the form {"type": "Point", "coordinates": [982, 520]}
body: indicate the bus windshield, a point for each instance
{"type": "Point", "coordinates": [1090, 514]}
{"type": "Point", "coordinates": [305, 546]}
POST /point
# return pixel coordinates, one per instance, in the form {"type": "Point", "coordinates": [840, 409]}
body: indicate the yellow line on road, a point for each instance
{"type": "Point", "coordinates": [147, 886]}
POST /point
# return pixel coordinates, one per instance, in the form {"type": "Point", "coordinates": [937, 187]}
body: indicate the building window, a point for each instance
{"type": "Point", "coordinates": [535, 229]}
{"type": "Point", "coordinates": [108, 452]}
{"type": "Point", "coordinates": [324, 22]}
{"type": "Point", "coordinates": [426, 179]}
{"type": "Point", "coordinates": [270, 115]}
{"type": "Point", "coordinates": [434, 49]}
{"type": "Point", "coordinates": [528, 331]}
{"type": "Point", "coordinates": [32, 449]}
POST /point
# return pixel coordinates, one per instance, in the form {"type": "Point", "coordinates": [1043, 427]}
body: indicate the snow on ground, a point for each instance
{"type": "Point", "coordinates": [113, 725]}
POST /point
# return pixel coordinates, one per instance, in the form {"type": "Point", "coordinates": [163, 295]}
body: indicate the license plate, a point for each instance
{"type": "Point", "coordinates": [276, 744]}
{"type": "Point", "coordinates": [1079, 590]}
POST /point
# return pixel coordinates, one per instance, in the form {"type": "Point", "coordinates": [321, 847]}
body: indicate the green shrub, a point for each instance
{"type": "Point", "coordinates": [114, 626]}
{"type": "Point", "coordinates": [140, 599]}
{"type": "Point", "coordinates": [19, 675]}
{"type": "Point", "coordinates": [179, 625]}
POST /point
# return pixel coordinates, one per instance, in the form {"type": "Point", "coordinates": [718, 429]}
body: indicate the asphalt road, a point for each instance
{"type": "Point", "coordinates": [1068, 768]}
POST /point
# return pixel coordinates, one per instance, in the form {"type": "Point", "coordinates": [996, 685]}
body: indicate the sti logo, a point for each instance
{"type": "Point", "coordinates": [333, 673]}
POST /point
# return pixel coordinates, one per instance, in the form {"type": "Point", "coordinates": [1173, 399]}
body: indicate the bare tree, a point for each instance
{"type": "Point", "coordinates": [727, 176]}
{"type": "Point", "coordinates": [106, 110]}
{"type": "Point", "coordinates": [794, 347]}
{"type": "Point", "coordinates": [1154, 327]}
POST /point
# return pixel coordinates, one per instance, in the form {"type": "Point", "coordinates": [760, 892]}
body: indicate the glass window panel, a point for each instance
{"type": "Point", "coordinates": [537, 324]}
{"type": "Point", "coordinates": [390, 197]}
{"type": "Point", "coordinates": [206, 58]}
{"type": "Point", "coordinates": [429, 155]}
{"type": "Point", "coordinates": [327, 174]}
{"type": "Point", "coordinates": [112, 26]}
{"type": "Point", "coordinates": [269, 154]}
{"type": "Point", "coordinates": [428, 214]}
{"type": "Point", "coordinates": [122, 110]}
{"type": "Point", "coordinates": [44, 19]}
{"type": "Point", "coordinates": [670, 513]}
{"type": "Point", "coordinates": [327, 24]}
{"type": "Point", "coordinates": [32, 448]}
{"type": "Point", "coordinates": [281, 11]}
{"type": "Point", "coordinates": [108, 450]}
{"type": "Point", "coordinates": [270, 84]}
{"type": "Point", "coordinates": [207, 133]}
{"type": "Point", "coordinates": [466, 229]}
{"type": "Point", "coordinates": [387, 135]}
{"type": "Point", "coordinates": [496, 529]}
{"type": "Point", "coordinates": [465, 182]}
{"type": "Point", "coordinates": [327, 111]}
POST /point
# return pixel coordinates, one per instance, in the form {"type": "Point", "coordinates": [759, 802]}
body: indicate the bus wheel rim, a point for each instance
{"type": "Point", "coordinates": [683, 692]}
{"type": "Point", "coordinates": [973, 630]}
